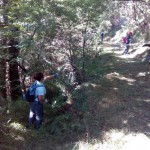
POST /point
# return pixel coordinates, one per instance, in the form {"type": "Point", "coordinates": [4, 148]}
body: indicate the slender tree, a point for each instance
{"type": "Point", "coordinates": [10, 51]}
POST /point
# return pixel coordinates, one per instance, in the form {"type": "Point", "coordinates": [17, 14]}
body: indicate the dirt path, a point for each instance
{"type": "Point", "coordinates": [124, 102]}
{"type": "Point", "coordinates": [117, 95]}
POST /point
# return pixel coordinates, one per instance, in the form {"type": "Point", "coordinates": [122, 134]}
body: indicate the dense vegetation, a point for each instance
{"type": "Point", "coordinates": [63, 36]}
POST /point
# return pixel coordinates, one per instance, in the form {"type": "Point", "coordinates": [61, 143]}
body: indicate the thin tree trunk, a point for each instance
{"type": "Point", "coordinates": [15, 90]}
{"type": "Point", "coordinates": [3, 43]}
{"type": "Point", "coordinates": [134, 11]}
{"type": "Point", "coordinates": [83, 49]}
{"type": "Point", "coordinates": [3, 78]}
{"type": "Point", "coordinates": [12, 72]}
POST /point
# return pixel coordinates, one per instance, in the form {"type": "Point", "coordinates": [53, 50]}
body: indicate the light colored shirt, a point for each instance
{"type": "Point", "coordinates": [39, 90]}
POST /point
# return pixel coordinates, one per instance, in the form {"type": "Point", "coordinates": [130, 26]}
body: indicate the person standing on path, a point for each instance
{"type": "Point", "coordinates": [102, 35]}
{"type": "Point", "coordinates": [128, 42]}
{"type": "Point", "coordinates": [36, 113]}
{"type": "Point", "coordinates": [36, 107]}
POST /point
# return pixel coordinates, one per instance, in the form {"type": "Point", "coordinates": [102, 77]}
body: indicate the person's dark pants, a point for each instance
{"type": "Point", "coordinates": [126, 49]}
{"type": "Point", "coordinates": [102, 38]}
{"type": "Point", "coordinates": [36, 114]}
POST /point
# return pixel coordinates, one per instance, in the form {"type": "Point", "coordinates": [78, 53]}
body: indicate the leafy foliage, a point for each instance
{"type": "Point", "coordinates": [51, 34]}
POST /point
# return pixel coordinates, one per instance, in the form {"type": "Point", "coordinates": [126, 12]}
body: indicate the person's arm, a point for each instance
{"type": "Point", "coordinates": [49, 77]}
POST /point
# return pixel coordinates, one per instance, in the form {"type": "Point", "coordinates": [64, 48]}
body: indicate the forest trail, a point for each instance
{"type": "Point", "coordinates": [125, 98]}
{"type": "Point", "coordinates": [118, 98]}
{"type": "Point", "coordinates": [130, 85]}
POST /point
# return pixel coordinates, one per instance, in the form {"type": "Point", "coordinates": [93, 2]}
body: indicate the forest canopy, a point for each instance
{"type": "Point", "coordinates": [63, 37]}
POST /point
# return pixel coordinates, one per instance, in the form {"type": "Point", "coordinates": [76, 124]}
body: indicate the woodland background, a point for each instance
{"type": "Point", "coordinates": [84, 104]}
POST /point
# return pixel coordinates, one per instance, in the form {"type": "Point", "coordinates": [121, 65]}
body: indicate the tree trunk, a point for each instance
{"type": "Point", "coordinates": [3, 43]}
{"type": "Point", "coordinates": [11, 73]}
{"type": "Point", "coordinates": [15, 90]}
{"type": "Point", "coordinates": [3, 78]}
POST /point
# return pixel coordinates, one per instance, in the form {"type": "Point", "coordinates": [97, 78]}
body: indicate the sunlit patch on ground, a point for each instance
{"type": "Point", "coordinates": [147, 100]}
{"type": "Point", "coordinates": [16, 126]}
{"type": "Point", "coordinates": [134, 52]}
{"type": "Point", "coordinates": [116, 75]}
{"type": "Point", "coordinates": [141, 74]}
{"type": "Point", "coordinates": [117, 140]}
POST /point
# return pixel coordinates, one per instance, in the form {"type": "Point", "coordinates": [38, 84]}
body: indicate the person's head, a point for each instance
{"type": "Point", "coordinates": [130, 33]}
{"type": "Point", "coordinates": [38, 76]}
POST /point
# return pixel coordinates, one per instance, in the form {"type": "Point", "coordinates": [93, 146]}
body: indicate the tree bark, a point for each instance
{"type": "Point", "coordinates": [3, 43]}
{"type": "Point", "coordinates": [15, 90]}
{"type": "Point", "coordinates": [2, 77]}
